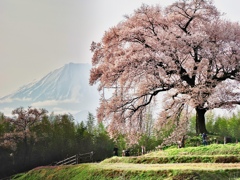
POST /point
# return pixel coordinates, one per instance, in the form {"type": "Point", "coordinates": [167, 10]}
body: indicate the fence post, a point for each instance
{"type": "Point", "coordinates": [91, 156]}
{"type": "Point", "coordinates": [76, 158]}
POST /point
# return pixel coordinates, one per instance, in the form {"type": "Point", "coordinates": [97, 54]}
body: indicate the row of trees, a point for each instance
{"type": "Point", "coordinates": [225, 127]}
{"type": "Point", "coordinates": [32, 138]}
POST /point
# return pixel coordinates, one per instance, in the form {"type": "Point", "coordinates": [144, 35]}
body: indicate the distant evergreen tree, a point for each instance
{"type": "Point", "coordinates": [90, 123]}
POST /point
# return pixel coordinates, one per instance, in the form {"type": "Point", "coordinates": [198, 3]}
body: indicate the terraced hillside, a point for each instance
{"type": "Point", "coordinates": [204, 162]}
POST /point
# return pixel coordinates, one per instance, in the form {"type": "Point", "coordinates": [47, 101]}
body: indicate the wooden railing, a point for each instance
{"type": "Point", "coordinates": [76, 159]}
{"type": "Point", "coordinates": [71, 160]}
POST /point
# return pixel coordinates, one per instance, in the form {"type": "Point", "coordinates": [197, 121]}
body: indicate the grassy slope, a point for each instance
{"type": "Point", "coordinates": [216, 153]}
{"type": "Point", "coordinates": [143, 168]}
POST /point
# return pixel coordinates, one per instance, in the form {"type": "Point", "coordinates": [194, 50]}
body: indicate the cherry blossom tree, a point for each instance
{"type": "Point", "coordinates": [22, 123]}
{"type": "Point", "coordinates": [186, 50]}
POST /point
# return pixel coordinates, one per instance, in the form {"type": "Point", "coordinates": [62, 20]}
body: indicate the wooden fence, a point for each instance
{"type": "Point", "coordinates": [76, 159]}
{"type": "Point", "coordinates": [71, 160]}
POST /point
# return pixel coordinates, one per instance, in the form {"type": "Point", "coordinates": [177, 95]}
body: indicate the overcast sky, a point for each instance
{"type": "Point", "coordinates": [38, 36]}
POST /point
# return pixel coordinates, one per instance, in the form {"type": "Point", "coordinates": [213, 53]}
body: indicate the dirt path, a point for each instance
{"type": "Point", "coordinates": [179, 166]}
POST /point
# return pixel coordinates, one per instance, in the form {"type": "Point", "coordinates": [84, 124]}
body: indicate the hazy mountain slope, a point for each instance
{"type": "Point", "coordinates": [65, 90]}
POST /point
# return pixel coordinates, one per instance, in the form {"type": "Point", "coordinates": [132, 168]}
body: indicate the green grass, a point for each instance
{"type": "Point", "coordinates": [213, 149]}
{"type": "Point", "coordinates": [176, 159]}
{"type": "Point", "coordinates": [133, 171]}
{"type": "Point", "coordinates": [204, 162]}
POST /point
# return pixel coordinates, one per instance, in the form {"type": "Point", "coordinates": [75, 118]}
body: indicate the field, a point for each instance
{"type": "Point", "coordinates": [203, 162]}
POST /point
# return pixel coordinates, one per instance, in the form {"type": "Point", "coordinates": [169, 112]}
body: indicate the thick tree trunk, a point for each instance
{"type": "Point", "coordinates": [200, 121]}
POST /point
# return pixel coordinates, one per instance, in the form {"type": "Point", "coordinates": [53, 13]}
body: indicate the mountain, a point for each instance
{"type": "Point", "coordinates": [64, 90]}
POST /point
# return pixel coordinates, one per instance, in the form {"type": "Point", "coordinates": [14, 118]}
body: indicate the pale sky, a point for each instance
{"type": "Point", "coordinates": [39, 36]}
